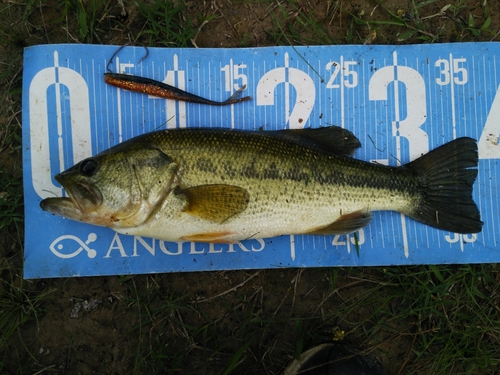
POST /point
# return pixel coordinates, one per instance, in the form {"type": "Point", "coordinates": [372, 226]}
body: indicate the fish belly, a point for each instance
{"type": "Point", "coordinates": [268, 215]}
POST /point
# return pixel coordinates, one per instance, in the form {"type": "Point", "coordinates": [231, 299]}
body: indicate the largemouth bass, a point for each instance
{"type": "Point", "coordinates": [222, 185]}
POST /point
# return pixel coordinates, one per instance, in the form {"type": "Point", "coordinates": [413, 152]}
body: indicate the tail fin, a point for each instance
{"type": "Point", "coordinates": [446, 181]}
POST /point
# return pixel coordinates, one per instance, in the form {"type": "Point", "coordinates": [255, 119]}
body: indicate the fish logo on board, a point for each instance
{"type": "Point", "coordinates": [57, 246]}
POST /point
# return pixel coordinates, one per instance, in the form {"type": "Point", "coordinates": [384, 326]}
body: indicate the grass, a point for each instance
{"type": "Point", "coordinates": [296, 24]}
{"type": "Point", "coordinates": [420, 320]}
{"type": "Point", "coordinates": [155, 315]}
{"type": "Point", "coordinates": [86, 18]}
{"type": "Point", "coordinates": [20, 306]}
{"type": "Point", "coordinates": [450, 313]}
{"type": "Point", "coordinates": [445, 316]}
{"type": "Point", "coordinates": [166, 24]}
{"type": "Point", "coordinates": [11, 201]}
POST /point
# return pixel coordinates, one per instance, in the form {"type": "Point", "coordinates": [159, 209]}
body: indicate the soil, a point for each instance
{"type": "Point", "coordinates": [195, 323]}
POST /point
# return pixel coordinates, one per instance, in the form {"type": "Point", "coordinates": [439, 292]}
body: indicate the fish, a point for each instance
{"type": "Point", "coordinates": [225, 185]}
{"type": "Point", "coordinates": [162, 90]}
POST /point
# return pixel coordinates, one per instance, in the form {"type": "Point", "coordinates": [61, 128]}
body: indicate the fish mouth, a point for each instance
{"type": "Point", "coordinates": [64, 207]}
{"type": "Point", "coordinates": [83, 194]}
{"type": "Point", "coordinates": [82, 199]}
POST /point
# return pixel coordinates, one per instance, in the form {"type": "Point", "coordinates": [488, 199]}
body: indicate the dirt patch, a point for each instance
{"type": "Point", "coordinates": [173, 321]}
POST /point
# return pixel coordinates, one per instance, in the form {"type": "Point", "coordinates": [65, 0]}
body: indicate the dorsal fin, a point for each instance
{"type": "Point", "coordinates": [332, 139]}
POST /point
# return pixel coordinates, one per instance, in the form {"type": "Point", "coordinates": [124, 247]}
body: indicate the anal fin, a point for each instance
{"type": "Point", "coordinates": [347, 223]}
{"type": "Point", "coordinates": [216, 237]}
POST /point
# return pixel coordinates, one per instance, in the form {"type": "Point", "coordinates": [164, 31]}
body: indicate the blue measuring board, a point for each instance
{"type": "Point", "coordinates": [400, 101]}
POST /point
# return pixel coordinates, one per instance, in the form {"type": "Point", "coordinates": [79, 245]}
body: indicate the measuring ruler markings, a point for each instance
{"type": "Point", "coordinates": [451, 87]}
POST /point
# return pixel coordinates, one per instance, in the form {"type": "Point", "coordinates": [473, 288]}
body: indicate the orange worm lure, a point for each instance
{"type": "Point", "coordinates": [163, 90]}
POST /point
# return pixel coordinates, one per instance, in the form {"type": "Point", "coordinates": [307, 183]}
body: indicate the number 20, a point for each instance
{"type": "Point", "coordinates": [359, 241]}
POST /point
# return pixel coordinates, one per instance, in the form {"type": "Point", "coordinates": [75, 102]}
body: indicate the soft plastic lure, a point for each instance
{"type": "Point", "coordinates": [163, 90]}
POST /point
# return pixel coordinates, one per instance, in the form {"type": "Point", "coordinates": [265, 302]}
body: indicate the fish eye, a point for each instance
{"type": "Point", "coordinates": [88, 167]}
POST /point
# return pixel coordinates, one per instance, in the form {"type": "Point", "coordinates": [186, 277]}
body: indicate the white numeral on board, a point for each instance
{"type": "Point", "coordinates": [454, 69]}
{"type": "Point", "coordinates": [348, 76]}
{"type": "Point", "coordinates": [233, 74]}
{"type": "Point", "coordinates": [360, 233]}
{"type": "Point", "coordinates": [305, 93]}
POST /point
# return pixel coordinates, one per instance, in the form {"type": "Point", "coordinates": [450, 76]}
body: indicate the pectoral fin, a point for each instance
{"type": "Point", "coordinates": [217, 203]}
{"type": "Point", "coordinates": [347, 223]}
